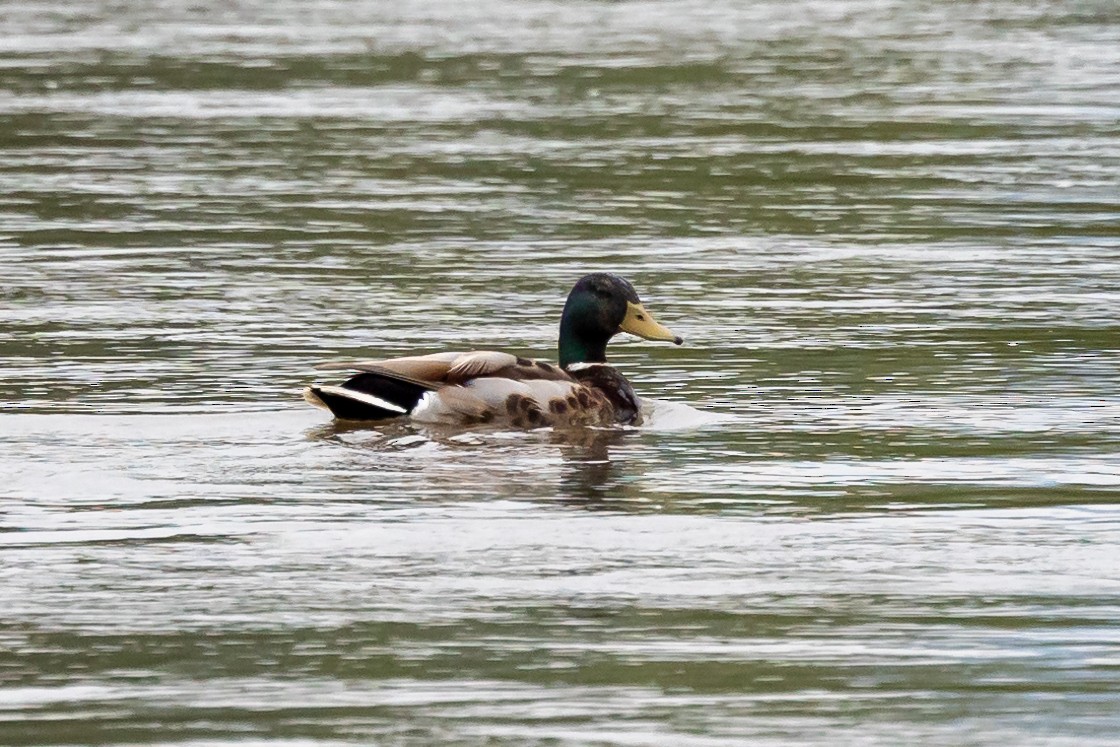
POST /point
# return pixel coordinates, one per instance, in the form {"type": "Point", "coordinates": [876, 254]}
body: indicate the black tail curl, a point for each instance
{"type": "Point", "coordinates": [386, 388]}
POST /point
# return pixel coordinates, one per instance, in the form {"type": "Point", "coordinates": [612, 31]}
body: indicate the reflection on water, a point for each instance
{"type": "Point", "coordinates": [589, 477]}
{"type": "Point", "coordinates": [874, 498]}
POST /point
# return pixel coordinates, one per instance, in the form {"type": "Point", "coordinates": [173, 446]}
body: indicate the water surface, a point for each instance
{"type": "Point", "coordinates": [879, 497]}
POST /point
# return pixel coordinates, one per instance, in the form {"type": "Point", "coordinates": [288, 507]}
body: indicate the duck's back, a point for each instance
{"type": "Point", "coordinates": [476, 387]}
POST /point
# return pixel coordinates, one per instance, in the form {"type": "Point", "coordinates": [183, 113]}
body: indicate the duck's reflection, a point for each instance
{"type": "Point", "coordinates": [588, 476]}
{"type": "Point", "coordinates": [362, 433]}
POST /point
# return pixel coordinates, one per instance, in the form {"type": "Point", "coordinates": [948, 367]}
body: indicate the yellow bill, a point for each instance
{"type": "Point", "coordinates": [640, 322]}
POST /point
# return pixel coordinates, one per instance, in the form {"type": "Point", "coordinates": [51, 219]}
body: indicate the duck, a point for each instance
{"type": "Point", "coordinates": [494, 387]}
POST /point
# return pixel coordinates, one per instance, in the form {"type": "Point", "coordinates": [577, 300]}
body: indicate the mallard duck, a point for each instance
{"type": "Point", "coordinates": [494, 387]}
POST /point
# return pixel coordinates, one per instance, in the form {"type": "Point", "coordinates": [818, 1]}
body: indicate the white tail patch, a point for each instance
{"type": "Point", "coordinates": [451, 404]}
{"type": "Point", "coordinates": [369, 399]}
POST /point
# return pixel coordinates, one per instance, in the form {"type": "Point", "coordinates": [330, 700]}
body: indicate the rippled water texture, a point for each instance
{"type": "Point", "coordinates": [878, 501]}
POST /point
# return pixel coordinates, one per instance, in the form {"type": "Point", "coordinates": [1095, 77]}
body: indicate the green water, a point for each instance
{"type": "Point", "coordinates": [878, 501]}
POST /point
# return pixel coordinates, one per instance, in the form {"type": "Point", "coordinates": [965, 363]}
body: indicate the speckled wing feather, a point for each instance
{"type": "Point", "coordinates": [528, 403]}
{"type": "Point", "coordinates": [488, 363]}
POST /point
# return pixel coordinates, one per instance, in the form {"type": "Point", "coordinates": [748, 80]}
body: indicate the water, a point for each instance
{"type": "Point", "coordinates": [878, 499]}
